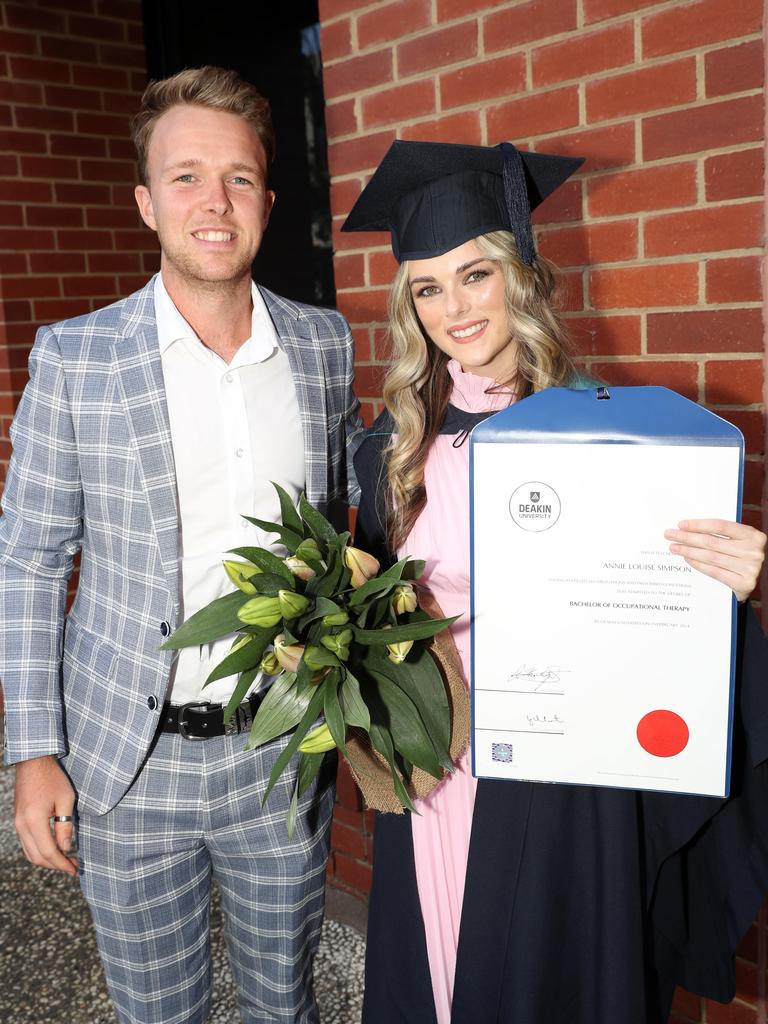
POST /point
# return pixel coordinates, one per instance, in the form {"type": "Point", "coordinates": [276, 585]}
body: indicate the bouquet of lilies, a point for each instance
{"type": "Point", "coordinates": [344, 643]}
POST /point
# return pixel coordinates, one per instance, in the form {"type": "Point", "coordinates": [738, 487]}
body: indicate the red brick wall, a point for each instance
{"type": "Point", "coordinates": [660, 237]}
{"type": "Point", "coordinates": [71, 73]}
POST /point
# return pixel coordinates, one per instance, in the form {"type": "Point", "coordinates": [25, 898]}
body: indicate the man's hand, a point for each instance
{"type": "Point", "coordinates": [730, 552]}
{"type": "Point", "coordinates": [42, 792]}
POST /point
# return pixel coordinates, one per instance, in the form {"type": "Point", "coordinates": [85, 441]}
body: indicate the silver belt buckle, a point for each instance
{"type": "Point", "coordinates": [183, 724]}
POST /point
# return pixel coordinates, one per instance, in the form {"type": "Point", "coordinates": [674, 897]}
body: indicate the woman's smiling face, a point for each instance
{"type": "Point", "coordinates": [459, 299]}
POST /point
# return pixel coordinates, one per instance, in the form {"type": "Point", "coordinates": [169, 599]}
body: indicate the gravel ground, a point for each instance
{"type": "Point", "coordinates": [50, 971]}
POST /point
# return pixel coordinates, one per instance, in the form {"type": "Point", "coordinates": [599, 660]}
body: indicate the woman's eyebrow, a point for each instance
{"type": "Point", "coordinates": [459, 270]}
{"type": "Point", "coordinates": [466, 266]}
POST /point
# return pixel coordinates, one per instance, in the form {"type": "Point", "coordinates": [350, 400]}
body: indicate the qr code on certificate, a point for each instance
{"type": "Point", "coordinates": [501, 752]}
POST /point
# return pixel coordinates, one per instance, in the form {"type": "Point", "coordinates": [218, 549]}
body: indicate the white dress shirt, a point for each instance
{"type": "Point", "coordinates": [234, 427]}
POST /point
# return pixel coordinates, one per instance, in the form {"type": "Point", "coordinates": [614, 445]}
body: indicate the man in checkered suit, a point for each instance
{"type": "Point", "coordinates": [146, 430]}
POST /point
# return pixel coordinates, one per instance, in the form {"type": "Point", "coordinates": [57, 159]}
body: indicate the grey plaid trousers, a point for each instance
{"type": "Point", "coordinates": [194, 811]}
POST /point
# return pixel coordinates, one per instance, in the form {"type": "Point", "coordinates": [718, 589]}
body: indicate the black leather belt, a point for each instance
{"type": "Point", "coordinates": [199, 719]}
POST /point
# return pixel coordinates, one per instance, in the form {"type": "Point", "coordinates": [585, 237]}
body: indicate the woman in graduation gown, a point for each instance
{"type": "Point", "coordinates": [509, 901]}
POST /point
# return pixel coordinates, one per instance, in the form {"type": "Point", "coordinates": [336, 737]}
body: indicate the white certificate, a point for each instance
{"type": "Point", "coordinates": [599, 657]}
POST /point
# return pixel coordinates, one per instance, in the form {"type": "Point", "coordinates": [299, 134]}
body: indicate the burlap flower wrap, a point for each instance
{"type": "Point", "coordinates": [370, 770]}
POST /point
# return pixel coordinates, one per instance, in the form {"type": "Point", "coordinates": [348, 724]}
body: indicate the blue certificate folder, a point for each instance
{"type": "Point", "coordinates": [598, 657]}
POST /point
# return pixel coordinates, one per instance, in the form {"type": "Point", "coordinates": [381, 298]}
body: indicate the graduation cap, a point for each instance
{"type": "Point", "coordinates": [433, 196]}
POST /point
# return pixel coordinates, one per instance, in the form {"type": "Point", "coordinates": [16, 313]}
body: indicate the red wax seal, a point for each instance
{"type": "Point", "coordinates": [662, 733]}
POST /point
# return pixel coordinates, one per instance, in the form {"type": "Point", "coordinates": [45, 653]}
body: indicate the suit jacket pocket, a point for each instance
{"type": "Point", "coordinates": [88, 681]}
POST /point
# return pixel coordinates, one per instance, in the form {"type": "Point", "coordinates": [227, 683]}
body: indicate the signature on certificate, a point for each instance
{"type": "Point", "coordinates": [531, 679]}
{"type": "Point", "coordinates": [539, 720]}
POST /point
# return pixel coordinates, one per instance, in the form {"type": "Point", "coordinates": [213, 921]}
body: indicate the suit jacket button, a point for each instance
{"type": "Point", "coordinates": [151, 703]}
{"type": "Point", "coordinates": [165, 628]}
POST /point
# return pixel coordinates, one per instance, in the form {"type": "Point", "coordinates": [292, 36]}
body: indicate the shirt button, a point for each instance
{"type": "Point", "coordinates": [239, 453]}
{"type": "Point", "coordinates": [244, 523]}
{"type": "Point", "coordinates": [165, 628]}
{"type": "Point", "coordinates": [151, 703]}
{"type": "Point", "coordinates": [229, 378]}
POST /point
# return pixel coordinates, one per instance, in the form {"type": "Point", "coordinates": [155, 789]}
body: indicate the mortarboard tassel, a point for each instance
{"type": "Point", "coordinates": [518, 206]}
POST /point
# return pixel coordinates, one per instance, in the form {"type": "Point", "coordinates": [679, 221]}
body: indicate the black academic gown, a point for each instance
{"type": "Point", "coordinates": [582, 905]}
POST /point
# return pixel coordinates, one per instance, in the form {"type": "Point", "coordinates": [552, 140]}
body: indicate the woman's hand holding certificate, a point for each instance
{"type": "Point", "coordinates": [730, 552]}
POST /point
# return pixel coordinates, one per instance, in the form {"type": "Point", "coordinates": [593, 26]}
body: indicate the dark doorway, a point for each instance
{"type": "Point", "coordinates": [279, 52]}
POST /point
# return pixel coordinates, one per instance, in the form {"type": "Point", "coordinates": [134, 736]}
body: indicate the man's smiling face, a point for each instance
{"type": "Point", "coordinates": [206, 195]}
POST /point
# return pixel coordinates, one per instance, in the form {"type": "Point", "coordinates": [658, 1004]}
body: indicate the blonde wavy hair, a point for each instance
{"type": "Point", "coordinates": [418, 386]}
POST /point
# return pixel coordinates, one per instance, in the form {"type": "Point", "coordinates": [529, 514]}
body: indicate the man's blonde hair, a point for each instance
{"type": "Point", "coordinates": [211, 87]}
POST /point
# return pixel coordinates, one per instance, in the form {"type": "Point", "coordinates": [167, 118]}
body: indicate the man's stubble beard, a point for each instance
{"type": "Point", "coordinates": [192, 273]}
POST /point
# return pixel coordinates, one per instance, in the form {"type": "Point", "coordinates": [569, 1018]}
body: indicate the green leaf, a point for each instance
{"type": "Point", "coordinates": [246, 657]}
{"type": "Point", "coordinates": [310, 714]}
{"type": "Point", "coordinates": [309, 765]}
{"type": "Point", "coordinates": [293, 809]}
{"type": "Point", "coordinates": [266, 561]}
{"type": "Point", "coordinates": [414, 569]}
{"type": "Point", "coordinates": [288, 537]}
{"type": "Point", "coordinates": [323, 606]}
{"type": "Point", "coordinates": [420, 679]}
{"type": "Point", "coordinates": [280, 710]}
{"type": "Point", "coordinates": [244, 684]}
{"type": "Point", "coordinates": [305, 677]}
{"type": "Point", "coordinates": [420, 630]}
{"type": "Point", "coordinates": [288, 513]}
{"type": "Point", "coordinates": [318, 525]}
{"type": "Point", "coordinates": [319, 657]}
{"type": "Point", "coordinates": [355, 709]}
{"type": "Point", "coordinates": [217, 619]}
{"type": "Point", "coordinates": [376, 613]}
{"type": "Point", "coordinates": [288, 637]}
{"type": "Point", "coordinates": [382, 742]}
{"type": "Point", "coordinates": [378, 585]}
{"type": "Point", "coordinates": [269, 584]}
{"type": "Point", "coordinates": [409, 735]}
{"type": "Point", "coordinates": [328, 584]}
{"type": "Point", "coordinates": [395, 571]}
{"type": "Point", "coordinates": [334, 716]}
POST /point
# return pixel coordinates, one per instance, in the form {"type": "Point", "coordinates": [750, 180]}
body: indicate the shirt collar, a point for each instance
{"type": "Point", "coordinates": [172, 327]}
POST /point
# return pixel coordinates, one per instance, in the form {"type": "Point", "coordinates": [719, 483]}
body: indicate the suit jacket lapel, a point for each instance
{"type": "Point", "coordinates": [299, 340]}
{"type": "Point", "coordinates": [142, 388]}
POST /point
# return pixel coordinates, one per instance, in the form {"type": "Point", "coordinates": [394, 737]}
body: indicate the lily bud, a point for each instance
{"type": "Point", "coordinates": [338, 643]}
{"type": "Point", "coordinates": [292, 604]}
{"type": "Point", "coordinates": [317, 741]}
{"type": "Point", "coordinates": [364, 566]}
{"type": "Point", "coordinates": [398, 652]}
{"type": "Point", "coordinates": [316, 658]}
{"type": "Point", "coordinates": [239, 573]}
{"type": "Point", "coordinates": [269, 664]}
{"type": "Point", "coordinates": [404, 599]}
{"type": "Point", "coordinates": [261, 611]}
{"type": "Point", "coordinates": [335, 619]}
{"type": "Point", "coordinates": [308, 549]}
{"type": "Point", "coordinates": [300, 568]}
{"type": "Point", "coordinates": [288, 655]}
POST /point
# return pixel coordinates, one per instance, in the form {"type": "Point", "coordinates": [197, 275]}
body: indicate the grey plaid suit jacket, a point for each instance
{"type": "Point", "coordinates": [92, 469]}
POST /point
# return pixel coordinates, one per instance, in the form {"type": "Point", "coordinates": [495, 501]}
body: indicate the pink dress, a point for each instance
{"type": "Point", "coordinates": [442, 828]}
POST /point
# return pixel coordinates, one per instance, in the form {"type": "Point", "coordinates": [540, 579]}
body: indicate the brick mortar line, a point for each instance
{"type": "Point", "coordinates": [72, 14]}
{"type": "Point", "coordinates": [353, 14]}
{"type": "Point", "coordinates": [120, 90]}
{"type": "Point", "coordinates": [639, 261]}
{"type": "Point", "coordinates": [685, 357]}
{"type": "Point", "coordinates": [641, 14]}
{"type": "Point", "coordinates": [545, 137]}
{"type": "Point", "coordinates": [638, 63]}
{"type": "Point", "coordinates": [40, 34]}
{"type": "Point", "coordinates": [532, 92]}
